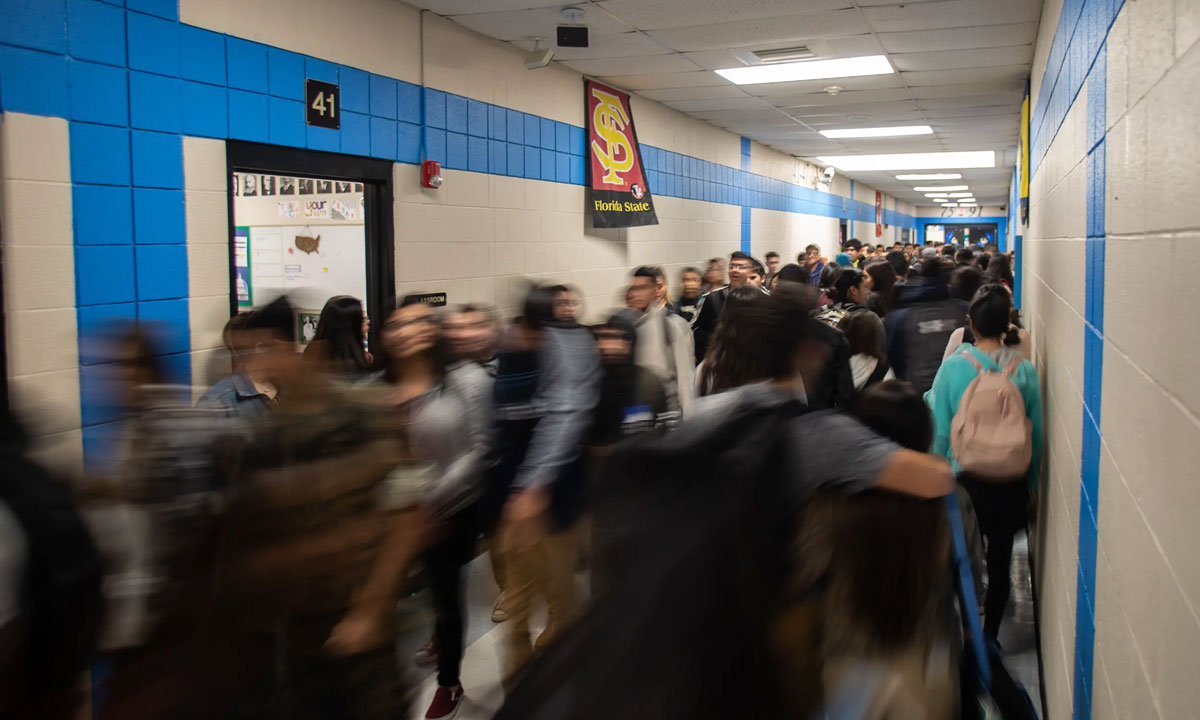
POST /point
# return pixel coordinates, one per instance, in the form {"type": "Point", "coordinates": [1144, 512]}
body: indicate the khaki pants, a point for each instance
{"type": "Point", "coordinates": [546, 569]}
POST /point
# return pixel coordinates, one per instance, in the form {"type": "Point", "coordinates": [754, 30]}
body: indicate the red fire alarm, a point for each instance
{"type": "Point", "coordinates": [431, 174]}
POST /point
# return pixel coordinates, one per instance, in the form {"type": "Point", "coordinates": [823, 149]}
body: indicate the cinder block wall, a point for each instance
{"type": "Point", "coordinates": [1108, 271]}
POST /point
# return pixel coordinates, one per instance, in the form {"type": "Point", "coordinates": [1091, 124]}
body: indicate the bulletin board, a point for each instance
{"type": "Point", "coordinates": [326, 260]}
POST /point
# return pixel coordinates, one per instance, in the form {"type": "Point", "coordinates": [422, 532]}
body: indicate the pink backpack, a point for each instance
{"type": "Point", "coordinates": [991, 436]}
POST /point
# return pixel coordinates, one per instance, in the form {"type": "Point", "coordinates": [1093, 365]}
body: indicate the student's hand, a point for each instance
{"type": "Point", "coordinates": [359, 631]}
{"type": "Point", "coordinates": [915, 473]}
{"type": "Point", "coordinates": [524, 519]}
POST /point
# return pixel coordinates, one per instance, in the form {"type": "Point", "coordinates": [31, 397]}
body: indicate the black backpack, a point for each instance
{"type": "Point", "coordinates": [61, 603]}
{"type": "Point", "coordinates": [692, 532]}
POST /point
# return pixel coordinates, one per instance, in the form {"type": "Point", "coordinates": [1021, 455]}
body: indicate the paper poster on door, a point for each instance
{"type": "Point", "coordinates": [241, 266]}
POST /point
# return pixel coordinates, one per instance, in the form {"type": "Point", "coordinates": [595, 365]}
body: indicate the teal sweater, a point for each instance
{"type": "Point", "coordinates": [951, 382]}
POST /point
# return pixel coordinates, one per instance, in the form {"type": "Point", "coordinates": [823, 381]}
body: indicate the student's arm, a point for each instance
{"type": "Point", "coordinates": [914, 473]}
{"type": "Point", "coordinates": [461, 479]}
{"type": "Point", "coordinates": [943, 403]}
{"type": "Point", "coordinates": [685, 366]}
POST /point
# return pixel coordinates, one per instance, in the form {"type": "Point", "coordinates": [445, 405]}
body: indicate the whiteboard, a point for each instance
{"type": "Point", "coordinates": [338, 265]}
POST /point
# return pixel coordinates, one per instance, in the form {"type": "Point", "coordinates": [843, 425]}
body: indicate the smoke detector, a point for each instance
{"type": "Point", "coordinates": [573, 15]}
{"type": "Point", "coordinates": [832, 89]}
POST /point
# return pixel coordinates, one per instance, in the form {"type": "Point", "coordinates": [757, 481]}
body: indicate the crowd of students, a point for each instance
{"type": "Point", "coordinates": [257, 542]}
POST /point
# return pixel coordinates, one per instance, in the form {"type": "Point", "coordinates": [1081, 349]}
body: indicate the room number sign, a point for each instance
{"type": "Point", "coordinates": [323, 103]}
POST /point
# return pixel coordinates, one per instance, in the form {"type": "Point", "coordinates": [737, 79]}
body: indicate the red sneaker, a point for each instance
{"type": "Point", "coordinates": [445, 703]}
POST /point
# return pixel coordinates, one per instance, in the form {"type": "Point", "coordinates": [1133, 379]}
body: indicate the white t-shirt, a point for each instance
{"type": "Point", "coordinates": [14, 554]}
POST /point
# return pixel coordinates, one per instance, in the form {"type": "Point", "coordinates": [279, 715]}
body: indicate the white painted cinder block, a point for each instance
{"type": "Point", "coordinates": [38, 278]}
{"type": "Point", "coordinates": [204, 166]}
{"type": "Point", "coordinates": [36, 213]}
{"type": "Point", "coordinates": [34, 147]}
{"type": "Point", "coordinates": [208, 270]}
{"type": "Point", "coordinates": [47, 402]}
{"type": "Point", "coordinates": [41, 340]}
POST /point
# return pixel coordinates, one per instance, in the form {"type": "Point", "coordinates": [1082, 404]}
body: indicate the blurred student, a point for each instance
{"type": "Point", "coordinates": [664, 341]}
{"type": "Point", "coordinates": [339, 345]}
{"type": "Point", "coordinates": [690, 298]}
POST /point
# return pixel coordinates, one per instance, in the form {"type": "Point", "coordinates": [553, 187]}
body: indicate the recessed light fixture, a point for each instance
{"type": "Point", "coordinates": [912, 161]}
{"type": "Point", "coordinates": [878, 132]}
{"type": "Point", "coordinates": [808, 70]}
{"type": "Point", "coordinates": [944, 188]}
{"type": "Point", "coordinates": [937, 195]}
{"type": "Point", "coordinates": [968, 204]}
{"type": "Point", "coordinates": [960, 194]}
{"type": "Point", "coordinates": [949, 204]}
{"type": "Point", "coordinates": [930, 176]}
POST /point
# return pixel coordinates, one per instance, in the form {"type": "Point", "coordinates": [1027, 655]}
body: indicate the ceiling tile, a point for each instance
{"type": "Point", "coordinates": [970, 75]}
{"type": "Point", "coordinates": [784, 89]}
{"type": "Point", "coordinates": [632, 65]}
{"type": "Point", "coordinates": [958, 39]}
{"type": "Point", "coordinates": [659, 81]}
{"type": "Point", "coordinates": [694, 93]}
{"type": "Point", "coordinates": [1001, 88]}
{"type": "Point", "coordinates": [952, 14]}
{"type": "Point", "coordinates": [976, 58]}
{"type": "Point", "coordinates": [604, 46]}
{"type": "Point", "coordinates": [744, 102]}
{"type": "Point", "coordinates": [537, 22]}
{"type": "Point", "coordinates": [459, 7]}
{"type": "Point", "coordinates": [683, 13]}
{"type": "Point", "coordinates": [764, 32]}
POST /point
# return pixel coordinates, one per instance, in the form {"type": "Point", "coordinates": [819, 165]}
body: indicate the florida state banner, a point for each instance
{"type": "Point", "coordinates": [620, 194]}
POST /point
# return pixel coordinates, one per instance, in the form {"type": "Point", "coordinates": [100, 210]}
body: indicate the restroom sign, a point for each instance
{"type": "Point", "coordinates": [322, 101]}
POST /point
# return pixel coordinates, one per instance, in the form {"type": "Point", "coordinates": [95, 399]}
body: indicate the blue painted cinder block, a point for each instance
{"type": "Point", "coordinates": [533, 130]}
{"type": "Point", "coordinates": [168, 319]}
{"type": "Point", "coordinates": [456, 151]}
{"type": "Point", "coordinates": [516, 160]}
{"type": "Point", "coordinates": [248, 116]}
{"type": "Point", "coordinates": [477, 154]}
{"type": "Point", "coordinates": [94, 321]}
{"type": "Point", "coordinates": [435, 145]}
{"type": "Point", "coordinates": [562, 167]}
{"type": "Point", "coordinates": [37, 24]}
{"type": "Point", "coordinates": [99, 93]}
{"type": "Point", "coordinates": [477, 118]}
{"type": "Point", "coordinates": [204, 110]}
{"type": "Point", "coordinates": [548, 169]}
{"type": "Point", "coordinates": [34, 82]}
{"type": "Point", "coordinates": [285, 75]}
{"type": "Point", "coordinates": [161, 272]}
{"type": "Point", "coordinates": [356, 134]}
{"type": "Point", "coordinates": [323, 139]}
{"type": "Point", "coordinates": [320, 70]}
{"type": "Point", "coordinates": [562, 137]}
{"type": "Point", "coordinates": [515, 124]}
{"type": "Point", "coordinates": [246, 65]}
{"type": "Point", "coordinates": [98, 395]}
{"type": "Point", "coordinates": [497, 157]}
{"type": "Point", "coordinates": [547, 140]}
{"type": "Point", "coordinates": [95, 32]}
{"type": "Point", "coordinates": [408, 103]}
{"type": "Point", "coordinates": [98, 443]}
{"type": "Point", "coordinates": [202, 55]}
{"type": "Point", "coordinates": [578, 144]}
{"type": "Point", "coordinates": [99, 154]}
{"type": "Point", "coordinates": [158, 217]}
{"type": "Point", "coordinates": [154, 102]}
{"type": "Point", "coordinates": [456, 113]}
{"type": "Point", "coordinates": [286, 122]}
{"type": "Point", "coordinates": [168, 9]}
{"type": "Point", "coordinates": [533, 163]}
{"type": "Point", "coordinates": [177, 367]}
{"type": "Point", "coordinates": [103, 214]}
{"type": "Point", "coordinates": [356, 90]}
{"type": "Point", "coordinates": [435, 108]}
{"type": "Point", "coordinates": [408, 142]}
{"type": "Point", "coordinates": [153, 44]}
{"type": "Point", "coordinates": [383, 97]}
{"type": "Point", "coordinates": [157, 159]}
{"type": "Point", "coordinates": [383, 138]}
{"type": "Point", "coordinates": [104, 274]}
{"type": "Point", "coordinates": [577, 170]}
{"type": "Point", "coordinates": [497, 127]}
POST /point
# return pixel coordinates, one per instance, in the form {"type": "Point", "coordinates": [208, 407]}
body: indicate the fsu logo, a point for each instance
{"type": "Point", "coordinates": [638, 191]}
{"type": "Point", "coordinates": [610, 120]}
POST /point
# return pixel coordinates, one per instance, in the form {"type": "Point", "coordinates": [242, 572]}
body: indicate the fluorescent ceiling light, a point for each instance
{"type": "Point", "coordinates": [935, 188]}
{"type": "Point", "coordinates": [808, 70]}
{"type": "Point", "coordinates": [968, 204]}
{"type": "Point", "coordinates": [879, 132]}
{"type": "Point", "coordinates": [949, 204]}
{"type": "Point", "coordinates": [912, 161]}
{"type": "Point", "coordinates": [961, 194]}
{"type": "Point", "coordinates": [937, 195]}
{"type": "Point", "coordinates": [930, 176]}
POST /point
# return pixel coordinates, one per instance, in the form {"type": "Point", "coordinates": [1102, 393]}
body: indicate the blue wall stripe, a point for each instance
{"type": "Point", "coordinates": [746, 213]}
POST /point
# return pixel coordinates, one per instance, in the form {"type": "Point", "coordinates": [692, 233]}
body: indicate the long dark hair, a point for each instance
{"type": "Point", "coordinates": [756, 337]}
{"type": "Point", "coordinates": [991, 314]}
{"type": "Point", "coordinates": [338, 342]}
{"type": "Point", "coordinates": [883, 278]}
{"type": "Point", "coordinates": [1001, 268]}
{"type": "Point", "coordinates": [864, 332]}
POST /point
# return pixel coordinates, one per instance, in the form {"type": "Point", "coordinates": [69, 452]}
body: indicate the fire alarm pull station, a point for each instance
{"type": "Point", "coordinates": [431, 174]}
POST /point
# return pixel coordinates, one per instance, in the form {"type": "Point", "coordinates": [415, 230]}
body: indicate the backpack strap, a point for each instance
{"type": "Point", "coordinates": [1012, 368]}
{"type": "Point", "coordinates": [974, 360]}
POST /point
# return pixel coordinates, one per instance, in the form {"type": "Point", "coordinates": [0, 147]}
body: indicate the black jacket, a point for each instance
{"type": "Point", "coordinates": [706, 322]}
{"type": "Point", "coordinates": [919, 327]}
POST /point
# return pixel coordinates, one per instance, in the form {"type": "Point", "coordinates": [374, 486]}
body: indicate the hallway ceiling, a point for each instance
{"type": "Point", "coordinates": [961, 67]}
